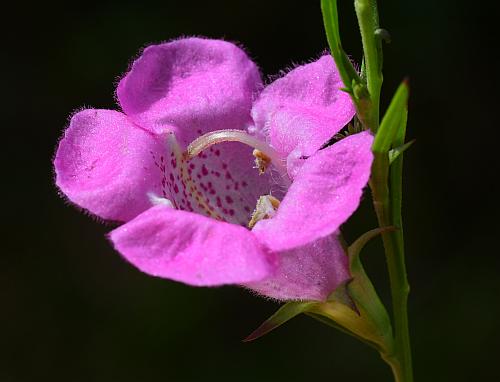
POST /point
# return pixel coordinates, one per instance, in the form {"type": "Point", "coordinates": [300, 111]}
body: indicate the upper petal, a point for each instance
{"type": "Point", "coordinates": [191, 248]}
{"type": "Point", "coordinates": [190, 87]}
{"type": "Point", "coordinates": [325, 192]}
{"type": "Point", "coordinates": [310, 272]}
{"type": "Point", "coordinates": [304, 108]}
{"type": "Point", "coordinates": [105, 164]}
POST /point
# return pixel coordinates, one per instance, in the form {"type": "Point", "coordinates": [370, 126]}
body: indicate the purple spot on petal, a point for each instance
{"type": "Point", "coordinates": [204, 170]}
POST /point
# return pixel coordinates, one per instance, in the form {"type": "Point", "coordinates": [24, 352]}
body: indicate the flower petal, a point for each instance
{"type": "Point", "coordinates": [310, 272]}
{"type": "Point", "coordinates": [190, 87]}
{"type": "Point", "coordinates": [325, 192]}
{"type": "Point", "coordinates": [105, 164]}
{"type": "Point", "coordinates": [191, 248]}
{"type": "Point", "coordinates": [304, 108]}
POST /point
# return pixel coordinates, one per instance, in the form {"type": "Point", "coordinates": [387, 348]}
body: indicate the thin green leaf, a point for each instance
{"type": "Point", "coordinates": [396, 186]}
{"type": "Point", "coordinates": [355, 248]}
{"type": "Point", "coordinates": [391, 123]}
{"type": "Point", "coordinates": [331, 21]}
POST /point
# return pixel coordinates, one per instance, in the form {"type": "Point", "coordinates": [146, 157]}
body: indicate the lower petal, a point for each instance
{"type": "Point", "coordinates": [105, 164]}
{"type": "Point", "coordinates": [310, 272]}
{"type": "Point", "coordinates": [192, 249]}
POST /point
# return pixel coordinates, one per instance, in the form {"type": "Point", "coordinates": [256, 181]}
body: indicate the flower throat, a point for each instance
{"type": "Point", "coordinates": [198, 179]}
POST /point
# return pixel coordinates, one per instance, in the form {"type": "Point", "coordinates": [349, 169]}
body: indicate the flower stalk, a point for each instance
{"type": "Point", "coordinates": [386, 178]}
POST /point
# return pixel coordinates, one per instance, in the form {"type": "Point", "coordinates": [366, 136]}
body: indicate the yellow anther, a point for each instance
{"type": "Point", "coordinates": [262, 161]}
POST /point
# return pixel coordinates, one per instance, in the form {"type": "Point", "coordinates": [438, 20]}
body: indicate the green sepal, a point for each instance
{"type": "Point", "coordinates": [353, 308]}
{"type": "Point", "coordinates": [283, 314]}
{"type": "Point", "coordinates": [335, 313]}
{"type": "Point", "coordinates": [353, 322]}
{"type": "Point", "coordinates": [392, 121]}
{"type": "Point", "coordinates": [329, 322]}
{"type": "Point", "coordinates": [397, 151]}
{"type": "Point", "coordinates": [364, 294]}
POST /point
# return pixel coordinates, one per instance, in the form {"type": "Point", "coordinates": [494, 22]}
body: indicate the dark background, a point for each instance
{"type": "Point", "coordinates": [72, 310]}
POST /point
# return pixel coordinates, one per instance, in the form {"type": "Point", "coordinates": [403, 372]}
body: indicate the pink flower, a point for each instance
{"type": "Point", "coordinates": [187, 205]}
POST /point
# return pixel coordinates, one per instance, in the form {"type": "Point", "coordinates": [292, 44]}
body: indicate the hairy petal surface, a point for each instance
{"type": "Point", "coordinates": [104, 163]}
{"type": "Point", "coordinates": [191, 248]}
{"type": "Point", "coordinates": [310, 272]}
{"type": "Point", "coordinates": [190, 87]}
{"type": "Point", "coordinates": [305, 108]}
{"type": "Point", "coordinates": [326, 191]}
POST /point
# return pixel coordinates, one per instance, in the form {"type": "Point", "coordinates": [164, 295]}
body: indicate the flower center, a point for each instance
{"type": "Point", "coordinates": [220, 181]}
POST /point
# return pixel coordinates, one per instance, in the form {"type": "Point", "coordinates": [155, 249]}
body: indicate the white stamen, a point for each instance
{"type": "Point", "coordinates": [265, 209]}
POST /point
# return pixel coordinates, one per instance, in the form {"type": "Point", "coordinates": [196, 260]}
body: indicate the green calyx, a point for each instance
{"type": "Point", "coordinates": [353, 308]}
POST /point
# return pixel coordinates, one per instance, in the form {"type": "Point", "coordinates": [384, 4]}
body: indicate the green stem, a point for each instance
{"type": "Point", "coordinates": [387, 193]}
{"type": "Point", "coordinates": [400, 360]}
{"type": "Point", "coordinates": [366, 11]}
{"type": "Point", "coordinates": [401, 316]}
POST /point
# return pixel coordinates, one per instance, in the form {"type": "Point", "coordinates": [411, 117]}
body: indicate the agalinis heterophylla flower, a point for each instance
{"type": "Point", "coordinates": [218, 179]}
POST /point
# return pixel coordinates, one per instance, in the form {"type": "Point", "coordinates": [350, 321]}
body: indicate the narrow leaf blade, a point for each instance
{"type": "Point", "coordinates": [331, 22]}
{"type": "Point", "coordinates": [391, 123]}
